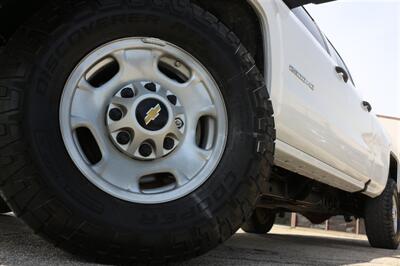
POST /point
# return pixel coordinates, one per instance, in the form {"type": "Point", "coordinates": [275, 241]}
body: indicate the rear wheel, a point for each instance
{"type": "Point", "coordinates": [382, 218]}
{"type": "Point", "coordinates": [260, 222]}
{"type": "Point", "coordinates": [134, 130]}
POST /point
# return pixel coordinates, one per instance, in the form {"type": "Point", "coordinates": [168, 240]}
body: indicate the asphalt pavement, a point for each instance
{"type": "Point", "coordinates": [283, 246]}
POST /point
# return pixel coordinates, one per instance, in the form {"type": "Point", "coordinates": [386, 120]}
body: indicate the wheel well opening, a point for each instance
{"type": "Point", "coordinates": [12, 16]}
{"type": "Point", "coordinates": [393, 168]}
{"type": "Point", "coordinates": [240, 17]}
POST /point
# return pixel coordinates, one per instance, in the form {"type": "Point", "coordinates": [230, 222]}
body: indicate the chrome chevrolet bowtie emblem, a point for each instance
{"type": "Point", "coordinates": [152, 114]}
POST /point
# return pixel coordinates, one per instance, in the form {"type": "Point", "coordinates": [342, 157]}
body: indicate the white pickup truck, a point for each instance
{"type": "Point", "coordinates": [151, 131]}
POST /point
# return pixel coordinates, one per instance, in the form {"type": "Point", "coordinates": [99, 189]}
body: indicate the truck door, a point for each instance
{"type": "Point", "coordinates": [358, 127]}
{"type": "Point", "coordinates": [318, 112]}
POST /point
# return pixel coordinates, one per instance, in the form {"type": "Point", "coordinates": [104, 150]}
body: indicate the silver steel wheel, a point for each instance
{"type": "Point", "coordinates": [395, 215]}
{"type": "Point", "coordinates": [143, 120]}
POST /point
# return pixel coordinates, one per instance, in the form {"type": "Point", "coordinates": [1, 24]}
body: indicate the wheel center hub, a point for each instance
{"type": "Point", "coordinates": [140, 120]}
{"type": "Point", "coordinates": [152, 114]}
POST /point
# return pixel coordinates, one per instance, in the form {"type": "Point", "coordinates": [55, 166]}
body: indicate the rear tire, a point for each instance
{"type": "Point", "coordinates": [46, 189]}
{"type": "Point", "coordinates": [382, 218]}
{"type": "Point", "coordinates": [260, 222]}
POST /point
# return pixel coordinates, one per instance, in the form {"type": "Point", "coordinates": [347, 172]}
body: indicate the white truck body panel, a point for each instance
{"type": "Point", "coordinates": [323, 131]}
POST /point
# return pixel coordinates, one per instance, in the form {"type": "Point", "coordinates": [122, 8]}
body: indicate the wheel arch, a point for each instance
{"type": "Point", "coordinates": [243, 18]}
{"type": "Point", "coordinates": [12, 16]}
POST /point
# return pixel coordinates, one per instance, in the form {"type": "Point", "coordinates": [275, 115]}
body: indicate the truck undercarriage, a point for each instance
{"type": "Point", "coordinates": [286, 191]}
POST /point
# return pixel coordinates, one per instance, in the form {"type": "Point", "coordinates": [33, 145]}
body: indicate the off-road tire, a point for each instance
{"type": "Point", "coordinates": [44, 187]}
{"type": "Point", "coordinates": [260, 222]}
{"type": "Point", "coordinates": [379, 220]}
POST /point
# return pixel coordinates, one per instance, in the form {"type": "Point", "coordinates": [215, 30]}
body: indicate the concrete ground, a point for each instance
{"type": "Point", "coordinates": [18, 246]}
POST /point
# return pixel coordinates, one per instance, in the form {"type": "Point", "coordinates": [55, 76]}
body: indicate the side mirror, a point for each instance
{"type": "Point", "coordinates": [296, 3]}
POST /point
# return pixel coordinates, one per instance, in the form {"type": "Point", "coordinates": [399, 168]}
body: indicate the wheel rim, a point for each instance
{"type": "Point", "coordinates": [154, 117]}
{"type": "Point", "coordinates": [395, 215]}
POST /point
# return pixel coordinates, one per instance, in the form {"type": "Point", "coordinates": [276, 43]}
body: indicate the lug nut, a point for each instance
{"type": "Point", "coordinates": [127, 93]}
{"type": "Point", "coordinates": [151, 86]}
{"type": "Point", "coordinates": [169, 143]}
{"type": "Point", "coordinates": [145, 150]}
{"type": "Point", "coordinates": [123, 138]}
{"type": "Point", "coordinates": [115, 114]}
{"type": "Point", "coordinates": [179, 123]}
{"type": "Point", "coordinates": [172, 99]}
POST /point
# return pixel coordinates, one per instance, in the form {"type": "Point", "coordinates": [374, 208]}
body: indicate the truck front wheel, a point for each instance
{"type": "Point", "coordinates": [132, 130]}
